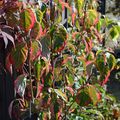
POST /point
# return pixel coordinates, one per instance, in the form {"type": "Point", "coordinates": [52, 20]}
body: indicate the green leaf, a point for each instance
{"type": "Point", "coordinates": [20, 84]}
{"type": "Point", "coordinates": [79, 5]}
{"type": "Point", "coordinates": [92, 17]}
{"type": "Point", "coordinates": [70, 79]}
{"type": "Point", "coordinates": [39, 15]}
{"type": "Point", "coordinates": [27, 19]}
{"type": "Point", "coordinates": [48, 79]}
{"type": "Point", "coordinates": [96, 113]}
{"type": "Point", "coordinates": [19, 55]}
{"type": "Point", "coordinates": [111, 61]}
{"type": "Point", "coordinates": [37, 69]}
{"type": "Point", "coordinates": [59, 39]}
{"type": "Point", "coordinates": [115, 32]}
{"type": "Point", "coordinates": [45, 41]}
{"type": "Point", "coordinates": [58, 43]}
{"type": "Point", "coordinates": [100, 24]}
{"type": "Point", "coordinates": [36, 49]}
{"type": "Point", "coordinates": [87, 95]}
{"type": "Point", "coordinates": [100, 61]}
{"type": "Point", "coordinates": [61, 94]}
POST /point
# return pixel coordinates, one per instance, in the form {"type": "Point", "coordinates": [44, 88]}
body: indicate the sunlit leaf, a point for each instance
{"type": "Point", "coordinates": [27, 19]}
{"type": "Point", "coordinates": [111, 61]}
{"type": "Point", "coordinates": [36, 49]}
{"type": "Point", "coordinates": [20, 84]}
{"type": "Point", "coordinates": [35, 32]}
{"type": "Point", "coordinates": [37, 69]}
{"type": "Point", "coordinates": [19, 52]}
{"type": "Point", "coordinates": [87, 95]}
{"type": "Point", "coordinates": [61, 94]}
{"type": "Point", "coordinates": [39, 15]}
{"type": "Point", "coordinates": [114, 33]}
{"type": "Point", "coordinates": [7, 37]}
{"type": "Point", "coordinates": [45, 42]}
{"type": "Point", "coordinates": [59, 39]}
{"type": "Point", "coordinates": [79, 5]}
{"type": "Point", "coordinates": [92, 17]}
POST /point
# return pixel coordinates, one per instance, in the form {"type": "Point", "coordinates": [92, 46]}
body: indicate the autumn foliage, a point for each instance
{"type": "Point", "coordinates": [61, 71]}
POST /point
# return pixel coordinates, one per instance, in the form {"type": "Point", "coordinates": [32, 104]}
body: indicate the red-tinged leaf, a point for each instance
{"type": "Point", "coordinates": [27, 19]}
{"type": "Point", "coordinates": [59, 38]}
{"type": "Point", "coordinates": [36, 49]}
{"type": "Point", "coordinates": [20, 84]}
{"type": "Point", "coordinates": [92, 18]}
{"type": "Point", "coordinates": [106, 79]}
{"type": "Point", "coordinates": [101, 62]}
{"type": "Point", "coordinates": [19, 52]}
{"type": "Point", "coordinates": [87, 95]}
{"type": "Point", "coordinates": [70, 89]}
{"type": "Point", "coordinates": [35, 31]}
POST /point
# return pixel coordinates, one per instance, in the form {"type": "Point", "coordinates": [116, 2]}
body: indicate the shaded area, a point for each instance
{"type": "Point", "coordinates": [6, 86]}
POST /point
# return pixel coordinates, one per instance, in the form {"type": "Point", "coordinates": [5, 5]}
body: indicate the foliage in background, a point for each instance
{"type": "Point", "coordinates": [61, 71]}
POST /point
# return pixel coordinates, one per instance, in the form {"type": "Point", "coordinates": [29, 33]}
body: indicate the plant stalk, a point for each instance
{"type": "Point", "coordinates": [30, 75]}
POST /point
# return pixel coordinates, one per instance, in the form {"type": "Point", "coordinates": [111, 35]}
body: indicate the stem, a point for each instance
{"type": "Point", "coordinates": [30, 75]}
{"type": "Point", "coordinates": [29, 64]}
{"type": "Point", "coordinates": [51, 40]}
